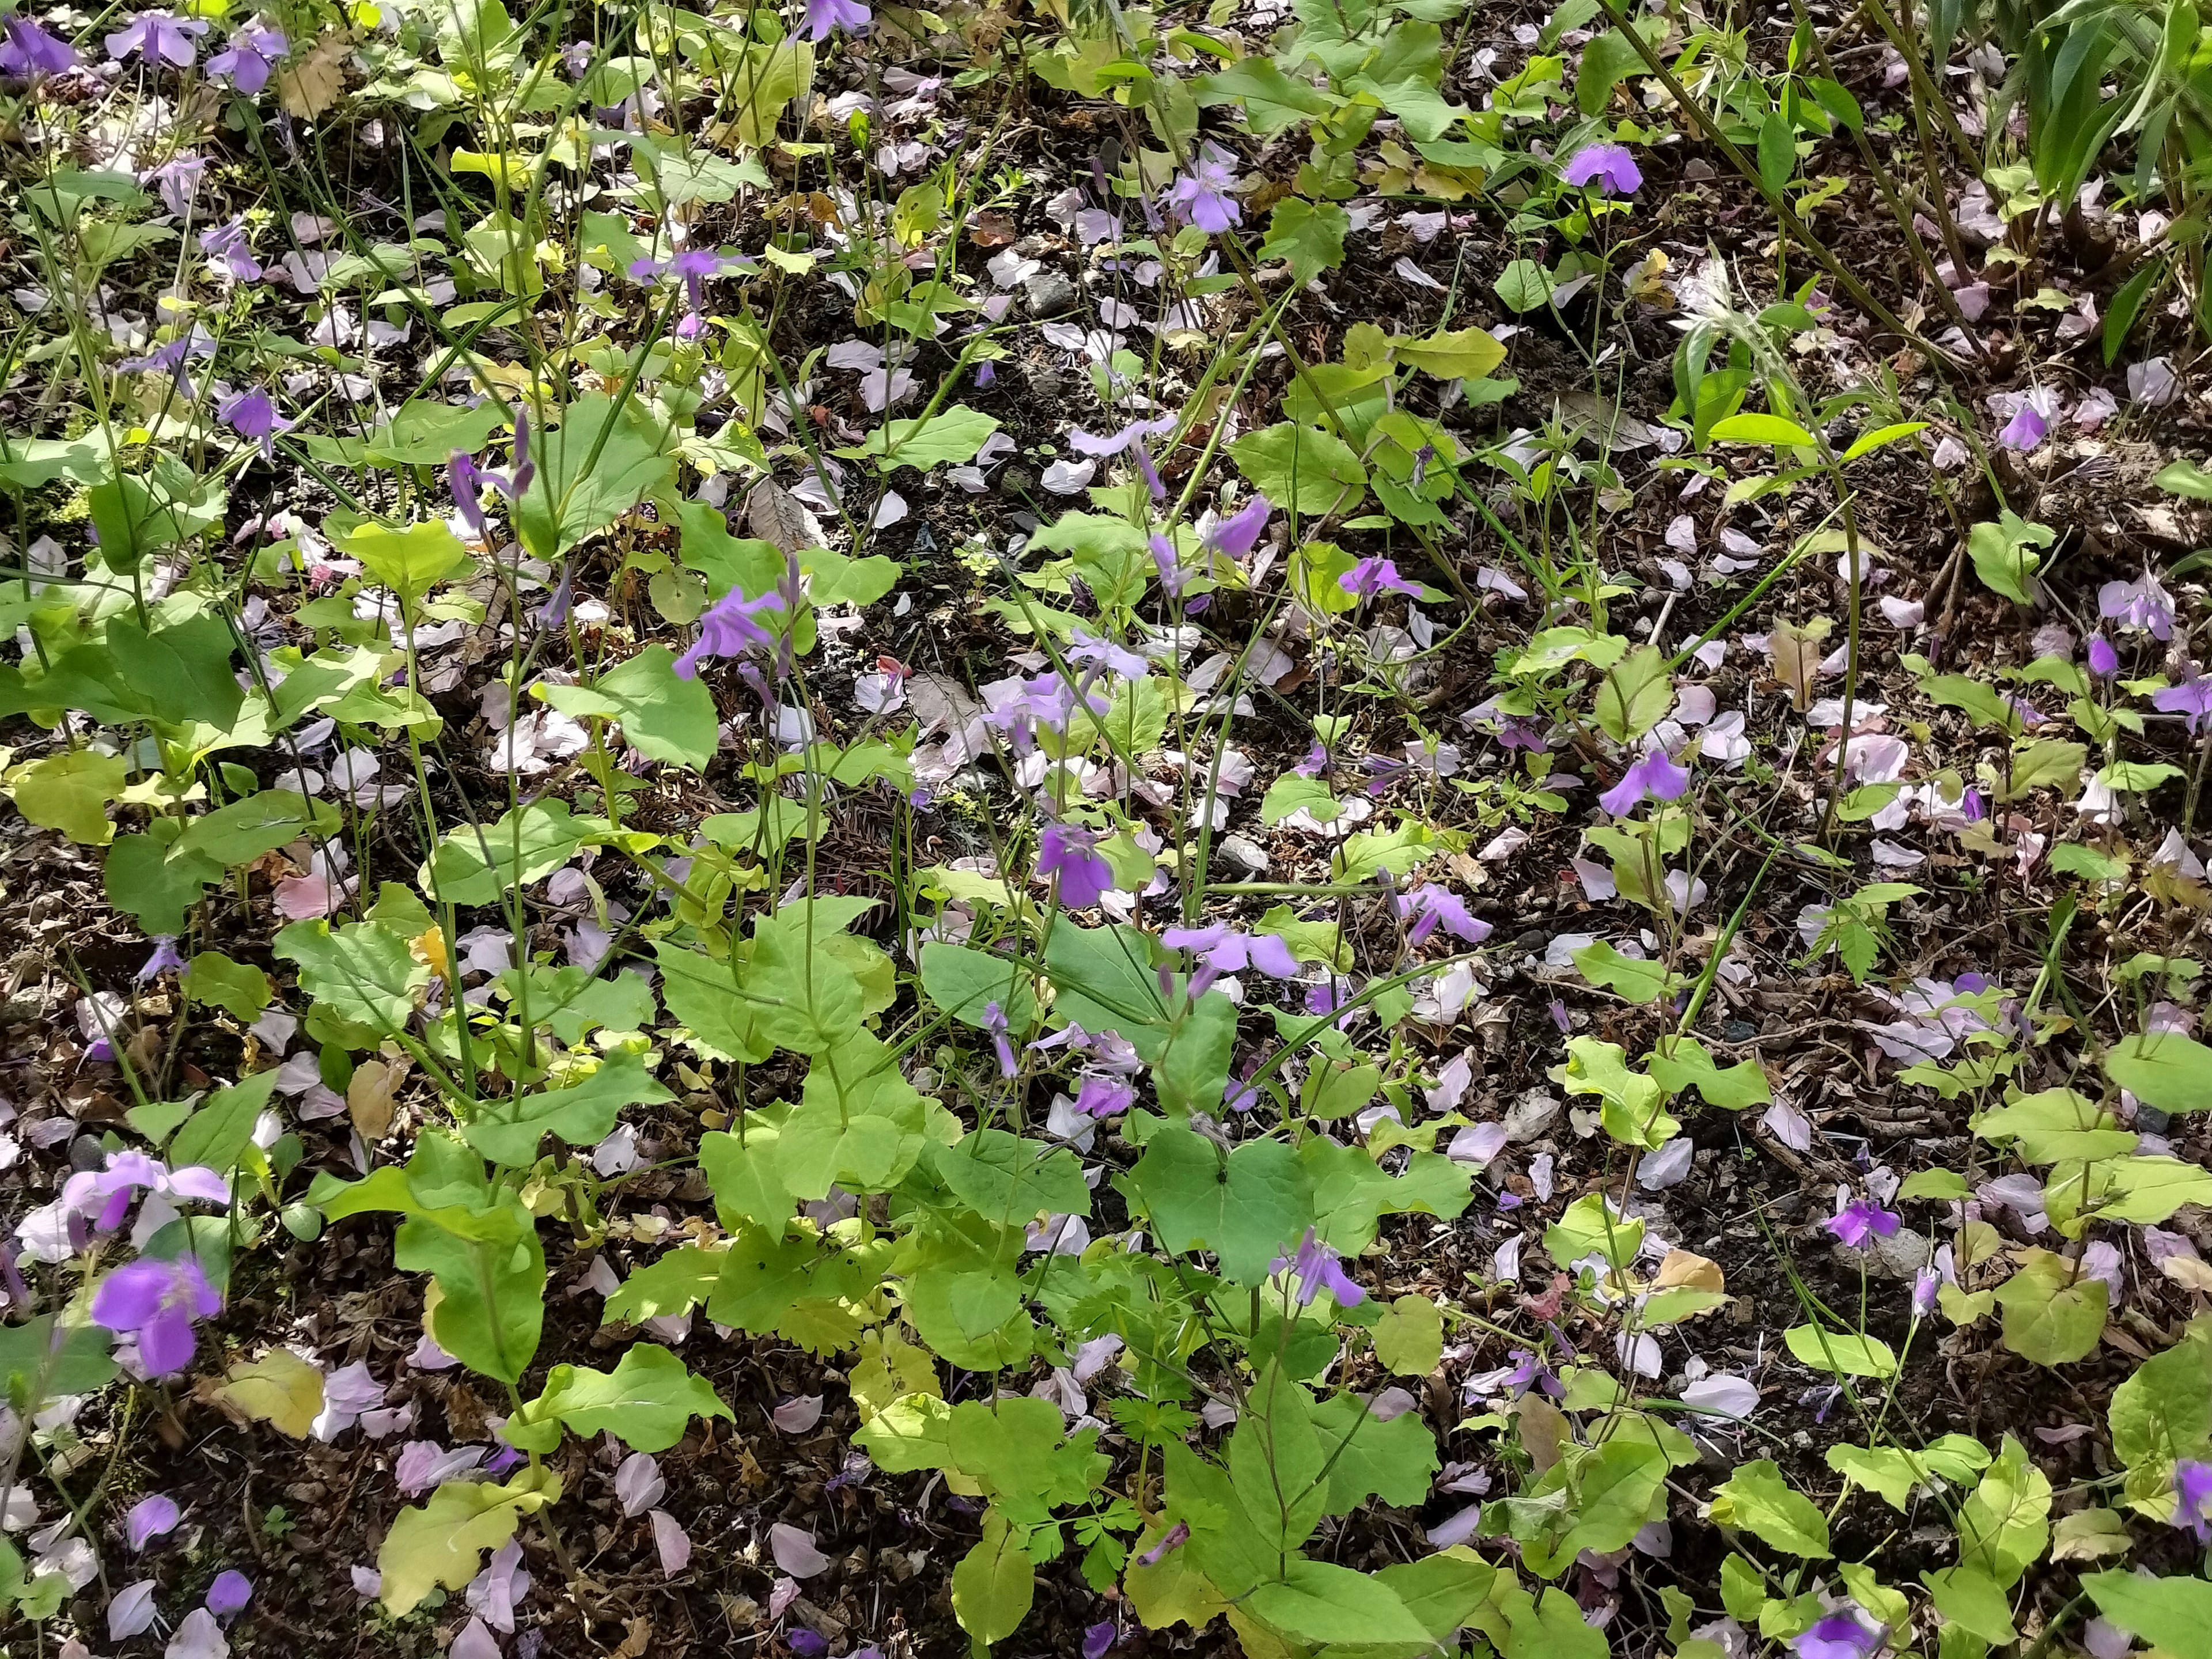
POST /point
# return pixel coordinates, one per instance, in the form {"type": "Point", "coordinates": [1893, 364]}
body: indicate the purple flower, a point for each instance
{"type": "Point", "coordinates": [1097, 1640]}
{"type": "Point", "coordinates": [1654, 776]}
{"type": "Point", "coordinates": [1925, 1284]}
{"type": "Point", "coordinates": [1108, 654]}
{"type": "Point", "coordinates": [106, 1194]}
{"type": "Point", "coordinates": [2192, 1490]}
{"type": "Point", "coordinates": [1842, 1635]}
{"type": "Point", "coordinates": [179, 177]}
{"type": "Point", "coordinates": [171, 359]}
{"type": "Point", "coordinates": [1433, 906]}
{"type": "Point", "coordinates": [1530, 1372]}
{"type": "Point", "coordinates": [1315, 1268]}
{"type": "Point", "coordinates": [1856, 1223]}
{"type": "Point", "coordinates": [165, 959]}
{"type": "Point", "coordinates": [728, 630]}
{"type": "Point", "coordinates": [225, 246]}
{"type": "Point", "coordinates": [149, 1517]}
{"type": "Point", "coordinates": [1376, 575]}
{"type": "Point", "coordinates": [468, 480]}
{"type": "Point", "coordinates": [252, 415]}
{"type": "Point", "coordinates": [1168, 562]}
{"type": "Point", "coordinates": [693, 265]}
{"type": "Point", "coordinates": [2104, 661]}
{"type": "Point", "coordinates": [806, 1644]}
{"type": "Point", "coordinates": [1130, 440]}
{"type": "Point", "coordinates": [1235, 535]}
{"type": "Point", "coordinates": [1201, 195]}
{"type": "Point", "coordinates": [1072, 852]}
{"type": "Point", "coordinates": [2141, 604]}
{"type": "Point", "coordinates": [159, 1300]}
{"type": "Point", "coordinates": [2192, 698]}
{"type": "Point", "coordinates": [252, 54]}
{"type": "Point", "coordinates": [226, 1597]}
{"type": "Point", "coordinates": [822, 15]}
{"type": "Point", "coordinates": [156, 34]}
{"type": "Point", "coordinates": [1104, 1095]}
{"type": "Point", "coordinates": [1173, 1539]}
{"type": "Point", "coordinates": [1608, 167]}
{"type": "Point", "coordinates": [994, 1022]}
{"type": "Point", "coordinates": [29, 52]}
{"type": "Point", "coordinates": [2027, 428]}
{"type": "Point", "coordinates": [1222, 950]}
{"type": "Point", "coordinates": [1316, 763]}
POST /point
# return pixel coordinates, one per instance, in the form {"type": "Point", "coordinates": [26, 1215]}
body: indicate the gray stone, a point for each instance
{"type": "Point", "coordinates": [1047, 294]}
{"type": "Point", "coordinates": [1900, 1255]}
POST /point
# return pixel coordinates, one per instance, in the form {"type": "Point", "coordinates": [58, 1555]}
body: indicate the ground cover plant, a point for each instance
{"type": "Point", "coordinates": [1356, 827]}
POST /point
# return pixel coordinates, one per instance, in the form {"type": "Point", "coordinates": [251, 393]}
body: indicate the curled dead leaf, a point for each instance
{"type": "Point", "coordinates": [312, 85]}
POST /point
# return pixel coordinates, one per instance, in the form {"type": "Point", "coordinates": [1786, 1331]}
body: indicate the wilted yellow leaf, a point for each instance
{"type": "Point", "coordinates": [280, 1388]}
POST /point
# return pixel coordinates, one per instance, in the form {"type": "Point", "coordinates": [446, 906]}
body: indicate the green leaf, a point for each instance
{"type": "Point", "coordinates": [951, 437]}
{"type": "Point", "coordinates": [42, 1363]}
{"type": "Point", "coordinates": [963, 982]}
{"type": "Point", "coordinates": [1867, 442]}
{"type": "Point", "coordinates": [602, 460]}
{"type": "Point", "coordinates": [364, 973]}
{"type": "Point", "coordinates": [70, 792]}
{"type": "Point", "coordinates": [1443, 1590]}
{"type": "Point", "coordinates": [1523, 286]}
{"type": "Point", "coordinates": [1759, 1501]}
{"type": "Point", "coordinates": [183, 671]}
{"type": "Point", "coordinates": [1970, 1598]}
{"type": "Point", "coordinates": [423, 433]}
{"type": "Point", "coordinates": [477, 864]}
{"type": "Point", "coordinates": [1637, 979]}
{"type": "Point", "coordinates": [1406, 75]}
{"type": "Point", "coordinates": [1394, 1460]}
{"type": "Point", "coordinates": [1301, 467]}
{"type": "Point", "coordinates": [645, 1402]}
{"type": "Point", "coordinates": [1894, 1473]}
{"type": "Point", "coordinates": [143, 882]}
{"type": "Point", "coordinates": [1268, 100]}
{"type": "Point", "coordinates": [1318, 1601]}
{"type": "Point", "coordinates": [994, 1584]}
{"type": "Point", "coordinates": [2162, 1414]}
{"type": "Point", "coordinates": [1841, 1352]}
{"type": "Point", "coordinates": [663, 716]}
{"type": "Point", "coordinates": [1009, 1180]}
{"type": "Point", "coordinates": [809, 1001]}
{"type": "Point", "coordinates": [238, 990]}
{"type": "Point", "coordinates": [1410, 1339]}
{"type": "Point", "coordinates": [1290, 793]}
{"type": "Point", "coordinates": [1731, 1088]}
{"type": "Point", "coordinates": [442, 1540]}
{"type": "Point", "coordinates": [2001, 555]}
{"type": "Point", "coordinates": [1759, 428]}
{"type": "Point", "coordinates": [216, 1135]}
{"type": "Point", "coordinates": [1247, 1205]}
{"type": "Point", "coordinates": [1309, 239]}
{"type": "Point", "coordinates": [1635, 695]}
{"type": "Point", "coordinates": [409, 562]}
{"type": "Point", "coordinates": [704, 995]}
{"type": "Point", "coordinates": [508, 1131]}
{"type": "Point", "coordinates": [1607, 61]}
{"type": "Point", "coordinates": [2055, 1124]}
{"type": "Point", "coordinates": [2173, 1614]}
{"type": "Point", "coordinates": [1459, 354]}
{"type": "Point", "coordinates": [2163, 1069]}
{"type": "Point", "coordinates": [2050, 1315]}
{"type": "Point", "coordinates": [242, 831]}
{"type": "Point", "coordinates": [490, 1309]}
